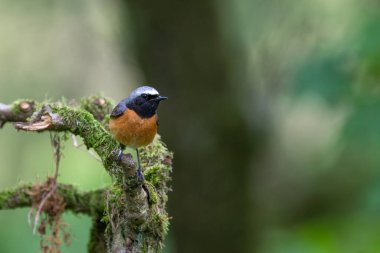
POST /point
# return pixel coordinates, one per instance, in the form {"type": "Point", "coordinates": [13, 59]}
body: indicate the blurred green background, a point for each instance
{"type": "Point", "coordinates": [272, 116]}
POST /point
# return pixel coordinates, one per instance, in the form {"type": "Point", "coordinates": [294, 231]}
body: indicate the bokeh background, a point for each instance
{"type": "Point", "coordinates": [273, 114]}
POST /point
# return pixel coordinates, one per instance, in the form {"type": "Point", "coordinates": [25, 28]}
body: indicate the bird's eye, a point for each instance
{"type": "Point", "coordinates": [145, 96]}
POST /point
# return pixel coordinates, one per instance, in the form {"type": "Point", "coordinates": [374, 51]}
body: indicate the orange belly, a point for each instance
{"type": "Point", "coordinates": [131, 130]}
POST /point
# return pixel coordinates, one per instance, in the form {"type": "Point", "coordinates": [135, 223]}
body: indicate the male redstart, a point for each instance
{"type": "Point", "coordinates": [134, 120]}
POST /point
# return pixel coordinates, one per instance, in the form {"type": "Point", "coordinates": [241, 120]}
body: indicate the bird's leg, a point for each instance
{"type": "Point", "coordinates": [120, 151]}
{"type": "Point", "coordinates": [140, 174]}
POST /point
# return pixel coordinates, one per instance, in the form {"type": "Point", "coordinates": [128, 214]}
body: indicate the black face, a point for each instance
{"type": "Point", "coordinates": [145, 105]}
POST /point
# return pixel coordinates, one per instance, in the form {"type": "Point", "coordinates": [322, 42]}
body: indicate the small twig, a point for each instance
{"type": "Point", "coordinates": [75, 142]}
{"type": "Point", "coordinates": [44, 123]}
{"type": "Point", "coordinates": [55, 141]}
{"type": "Point", "coordinates": [30, 213]}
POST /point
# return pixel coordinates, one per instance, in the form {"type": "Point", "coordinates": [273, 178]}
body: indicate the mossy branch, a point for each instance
{"type": "Point", "coordinates": [89, 202]}
{"type": "Point", "coordinates": [135, 216]}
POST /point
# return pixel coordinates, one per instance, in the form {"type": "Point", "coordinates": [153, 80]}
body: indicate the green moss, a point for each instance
{"type": "Point", "coordinates": [4, 196]}
{"type": "Point", "coordinates": [4, 199]}
{"type": "Point", "coordinates": [155, 152]}
{"type": "Point", "coordinates": [16, 109]}
{"type": "Point", "coordinates": [157, 226]}
{"type": "Point", "coordinates": [105, 219]}
{"type": "Point", "coordinates": [154, 175]}
{"type": "Point", "coordinates": [23, 196]}
{"type": "Point", "coordinates": [116, 199]}
{"type": "Point", "coordinates": [115, 194]}
{"type": "Point", "coordinates": [105, 121]}
{"type": "Point", "coordinates": [13, 198]}
{"type": "Point", "coordinates": [71, 195]}
{"type": "Point", "coordinates": [153, 232]}
{"type": "Point", "coordinates": [91, 202]}
{"type": "Point", "coordinates": [153, 196]}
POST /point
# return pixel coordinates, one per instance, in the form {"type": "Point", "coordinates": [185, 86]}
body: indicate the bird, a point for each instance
{"type": "Point", "coordinates": [134, 120]}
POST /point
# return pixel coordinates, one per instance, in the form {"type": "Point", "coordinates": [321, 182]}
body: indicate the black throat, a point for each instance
{"type": "Point", "coordinates": [144, 110]}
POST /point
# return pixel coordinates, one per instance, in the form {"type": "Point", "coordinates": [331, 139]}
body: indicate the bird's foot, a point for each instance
{"type": "Point", "coordinates": [140, 178]}
{"type": "Point", "coordinates": [119, 154]}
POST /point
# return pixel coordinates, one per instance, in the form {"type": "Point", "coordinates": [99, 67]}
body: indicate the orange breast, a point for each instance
{"type": "Point", "coordinates": [132, 130]}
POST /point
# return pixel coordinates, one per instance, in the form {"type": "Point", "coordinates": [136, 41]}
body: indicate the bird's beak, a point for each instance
{"type": "Point", "coordinates": [160, 98]}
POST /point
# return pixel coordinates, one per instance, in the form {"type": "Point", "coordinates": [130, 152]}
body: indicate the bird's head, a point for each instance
{"type": "Point", "coordinates": [144, 101]}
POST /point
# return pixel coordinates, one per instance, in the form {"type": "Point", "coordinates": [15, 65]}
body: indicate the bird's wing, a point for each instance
{"type": "Point", "coordinates": [118, 110]}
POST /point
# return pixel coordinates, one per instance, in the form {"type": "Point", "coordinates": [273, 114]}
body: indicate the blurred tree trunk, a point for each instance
{"type": "Point", "coordinates": [181, 51]}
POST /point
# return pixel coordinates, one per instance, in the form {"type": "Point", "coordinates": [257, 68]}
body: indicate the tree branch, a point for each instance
{"type": "Point", "coordinates": [90, 203]}
{"type": "Point", "coordinates": [18, 111]}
